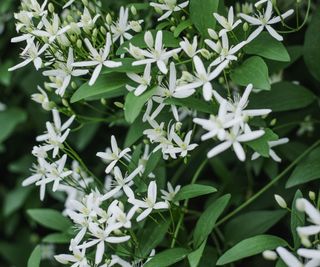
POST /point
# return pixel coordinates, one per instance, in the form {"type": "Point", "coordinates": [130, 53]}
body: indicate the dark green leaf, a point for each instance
{"type": "Point", "coordinates": [201, 14]}
{"type": "Point", "coordinates": [307, 170]}
{"type": "Point", "coordinates": [296, 97]}
{"type": "Point", "coordinates": [181, 27]}
{"type": "Point", "coordinates": [9, 119]}
{"type": "Point", "coordinates": [251, 224]}
{"type": "Point", "coordinates": [134, 104]}
{"type": "Point", "coordinates": [35, 257]}
{"type": "Point", "coordinates": [311, 46]}
{"type": "Point", "coordinates": [109, 85]}
{"type": "Point", "coordinates": [195, 256]}
{"type": "Point", "coordinates": [251, 246]}
{"type": "Point", "coordinates": [254, 70]}
{"type": "Point", "coordinates": [208, 219]}
{"type": "Point", "coordinates": [51, 219]}
{"type": "Point", "coordinates": [15, 199]}
{"type": "Point", "coordinates": [194, 190]}
{"type": "Point", "coordinates": [167, 257]}
{"type": "Point", "coordinates": [57, 238]}
{"type": "Point", "coordinates": [268, 47]}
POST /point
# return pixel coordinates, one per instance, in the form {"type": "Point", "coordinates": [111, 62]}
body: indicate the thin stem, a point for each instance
{"type": "Point", "coordinates": [269, 185]}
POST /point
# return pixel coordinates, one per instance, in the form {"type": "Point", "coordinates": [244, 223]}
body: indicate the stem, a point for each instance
{"type": "Point", "coordinates": [185, 204]}
{"type": "Point", "coordinates": [269, 185]}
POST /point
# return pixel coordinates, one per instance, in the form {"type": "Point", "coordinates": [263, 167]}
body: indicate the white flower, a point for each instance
{"type": "Point", "coordinates": [78, 258]}
{"type": "Point", "coordinates": [65, 71]}
{"type": "Point", "coordinates": [52, 30]}
{"type": "Point", "coordinates": [118, 215]}
{"type": "Point", "coordinates": [188, 48]}
{"type": "Point", "coordinates": [143, 81]}
{"type": "Point", "coordinates": [86, 21]}
{"type": "Point", "coordinates": [171, 193]}
{"type": "Point", "coordinates": [157, 133]}
{"type": "Point", "coordinates": [228, 24]}
{"type": "Point", "coordinates": [3, 107]}
{"type": "Point", "coordinates": [69, 3]}
{"type": "Point", "coordinates": [120, 28]}
{"type": "Point", "coordinates": [150, 202]}
{"type": "Point", "coordinates": [264, 21]}
{"type": "Point", "coordinates": [102, 235]}
{"type": "Point", "coordinates": [122, 183]}
{"type": "Point", "coordinates": [56, 173]}
{"type": "Point", "coordinates": [169, 6]}
{"type": "Point", "coordinates": [272, 154]}
{"type": "Point", "coordinates": [56, 134]}
{"type": "Point", "coordinates": [204, 78]}
{"type": "Point", "coordinates": [183, 147]}
{"type": "Point", "coordinates": [37, 10]}
{"type": "Point", "coordinates": [225, 52]}
{"type": "Point", "coordinates": [42, 99]}
{"type": "Point", "coordinates": [98, 59]}
{"type": "Point", "coordinates": [31, 54]}
{"type": "Point", "coordinates": [156, 53]}
{"type": "Point", "coordinates": [114, 154]}
{"type": "Point", "coordinates": [39, 173]}
{"type": "Point", "coordinates": [234, 138]}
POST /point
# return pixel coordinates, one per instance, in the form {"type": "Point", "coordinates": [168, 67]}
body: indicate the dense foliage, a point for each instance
{"type": "Point", "coordinates": [160, 133]}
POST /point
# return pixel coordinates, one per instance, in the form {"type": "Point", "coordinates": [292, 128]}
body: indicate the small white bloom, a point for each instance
{"type": "Point", "coordinates": [86, 21]}
{"type": "Point", "coordinates": [263, 21]}
{"type": "Point", "coordinates": [98, 59]}
{"type": "Point", "coordinates": [143, 81]}
{"type": "Point", "coordinates": [171, 193]}
{"type": "Point", "coordinates": [150, 202]}
{"type": "Point", "coordinates": [288, 258]}
{"type": "Point", "coordinates": [77, 258]}
{"type": "Point", "coordinates": [114, 154]}
{"type": "Point", "coordinates": [188, 48]}
{"type": "Point", "coordinates": [228, 24]}
{"type": "Point", "coordinates": [169, 6]}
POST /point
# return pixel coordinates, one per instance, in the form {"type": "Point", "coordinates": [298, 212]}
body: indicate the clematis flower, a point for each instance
{"type": "Point", "coordinates": [203, 78]}
{"type": "Point", "coordinates": [228, 24]}
{"type": "Point", "coordinates": [188, 48]}
{"type": "Point", "coordinates": [98, 59]}
{"type": "Point", "coordinates": [77, 258]}
{"type": "Point", "coordinates": [169, 6]}
{"type": "Point", "coordinates": [86, 20]}
{"type": "Point", "coordinates": [263, 21]}
{"type": "Point", "coordinates": [143, 81]}
{"type": "Point", "coordinates": [156, 53]}
{"type": "Point", "coordinates": [171, 193]}
{"type": "Point", "coordinates": [114, 154]}
{"type": "Point", "coordinates": [149, 203]}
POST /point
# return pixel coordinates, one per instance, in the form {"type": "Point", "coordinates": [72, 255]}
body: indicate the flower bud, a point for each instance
{"type": "Point", "coordinates": [119, 105]}
{"type": "Point", "coordinates": [175, 56]}
{"type": "Point", "coordinates": [312, 195]}
{"type": "Point", "coordinates": [273, 122]}
{"type": "Point", "coordinates": [79, 43]}
{"type": "Point", "coordinates": [74, 85]}
{"type": "Point", "coordinates": [65, 102]}
{"type": "Point", "coordinates": [269, 255]}
{"type": "Point", "coordinates": [213, 34]}
{"type": "Point", "coordinates": [51, 8]}
{"type": "Point", "coordinates": [103, 30]}
{"type": "Point", "coordinates": [205, 53]}
{"type": "Point", "coordinates": [281, 202]}
{"type": "Point", "coordinates": [158, 10]}
{"type": "Point", "coordinates": [109, 19]}
{"type": "Point", "coordinates": [148, 39]}
{"type": "Point", "coordinates": [172, 28]}
{"type": "Point", "coordinates": [133, 10]}
{"type": "Point", "coordinates": [245, 26]}
{"type": "Point", "coordinates": [186, 76]}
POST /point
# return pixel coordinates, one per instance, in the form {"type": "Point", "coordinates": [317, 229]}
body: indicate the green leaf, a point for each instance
{"type": "Point", "coordinates": [307, 170]}
{"type": "Point", "coordinates": [201, 14]}
{"type": "Point", "coordinates": [311, 45]}
{"type": "Point", "coordinates": [208, 219]}
{"type": "Point", "coordinates": [261, 145]}
{"type": "Point", "coordinates": [296, 97]}
{"type": "Point", "coordinates": [193, 103]}
{"type": "Point", "coordinates": [138, 40]}
{"type": "Point", "coordinates": [167, 257]}
{"type": "Point", "coordinates": [181, 27]}
{"type": "Point", "coordinates": [254, 70]}
{"type": "Point", "coordinates": [49, 218]}
{"type": "Point", "coordinates": [109, 85]}
{"type": "Point", "coordinates": [35, 257]}
{"type": "Point", "coordinates": [297, 219]}
{"type": "Point", "coordinates": [251, 246]}
{"type": "Point", "coordinates": [268, 47]}
{"type": "Point", "coordinates": [195, 256]}
{"type": "Point", "coordinates": [134, 104]}
{"type": "Point", "coordinates": [252, 223]}
{"type": "Point", "coordinates": [57, 238]}
{"type": "Point", "coordinates": [135, 132]}
{"type": "Point", "coordinates": [194, 190]}
{"type": "Point", "coordinates": [154, 230]}
{"type": "Point", "coordinates": [15, 199]}
{"type": "Point", "coordinates": [9, 119]}
{"type": "Point", "coordinates": [152, 163]}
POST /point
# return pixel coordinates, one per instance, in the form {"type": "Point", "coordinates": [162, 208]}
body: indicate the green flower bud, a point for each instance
{"type": "Point", "coordinates": [245, 26]}
{"type": "Point", "coordinates": [172, 28]}
{"type": "Point", "coordinates": [51, 8]}
{"type": "Point", "coordinates": [109, 19]}
{"type": "Point", "coordinates": [103, 30]}
{"type": "Point", "coordinates": [312, 195]}
{"type": "Point", "coordinates": [158, 10]}
{"type": "Point", "coordinates": [103, 101]}
{"type": "Point", "coordinates": [281, 202]}
{"type": "Point", "coordinates": [65, 102]}
{"type": "Point", "coordinates": [79, 43]}
{"type": "Point", "coordinates": [119, 105]}
{"type": "Point", "coordinates": [74, 85]}
{"type": "Point", "coordinates": [205, 53]}
{"type": "Point", "coordinates": [133, 10]}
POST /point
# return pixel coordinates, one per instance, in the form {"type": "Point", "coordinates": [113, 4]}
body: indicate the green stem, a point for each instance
{"type": "Point", "coordinates": [269, 185]}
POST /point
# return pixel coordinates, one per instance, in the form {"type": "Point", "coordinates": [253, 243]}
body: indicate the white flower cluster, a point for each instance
{"type": "Point", "coordinates": [310, 255]}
